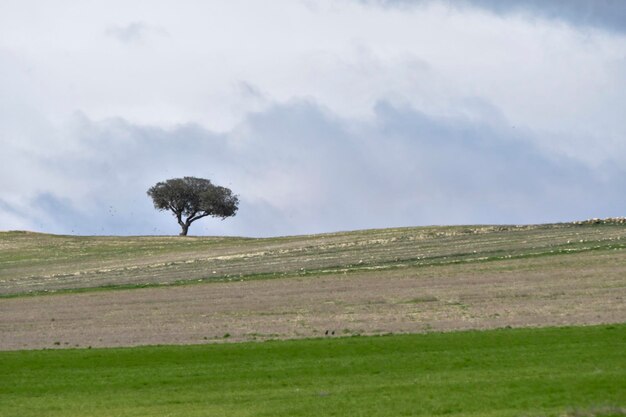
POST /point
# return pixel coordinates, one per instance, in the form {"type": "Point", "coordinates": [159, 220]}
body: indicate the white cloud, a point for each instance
{"type": "Point", "coordinates": [134, 31]}
{"type": "Point", "coordinates": [312, 110]}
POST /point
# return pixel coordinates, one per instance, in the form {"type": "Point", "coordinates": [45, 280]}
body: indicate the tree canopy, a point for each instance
{"type": "Point", "coordinates": [191, 198]}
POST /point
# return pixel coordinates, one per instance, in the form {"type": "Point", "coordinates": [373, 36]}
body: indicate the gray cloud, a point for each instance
{"type": "Point", "coordinates": [8, 208]}
{"type": "Point", "coordinates": [301, 169]}
{"type": "Point", "coordinates": [602, 14]}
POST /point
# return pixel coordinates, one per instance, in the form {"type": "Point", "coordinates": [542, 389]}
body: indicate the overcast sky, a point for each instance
{"type": "Point", "coordinates": [322, 115]}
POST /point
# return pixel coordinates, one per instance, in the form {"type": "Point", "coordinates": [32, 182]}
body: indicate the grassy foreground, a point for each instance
{"type": "Point", "coordinates": [575, 371]}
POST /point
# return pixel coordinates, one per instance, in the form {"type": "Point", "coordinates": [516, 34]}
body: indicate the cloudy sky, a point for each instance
{"type": "Point", "coordinates": [323, 115]}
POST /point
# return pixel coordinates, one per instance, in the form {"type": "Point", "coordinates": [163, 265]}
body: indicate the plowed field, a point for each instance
{"type": "Point", "coordinates": [368, 282]}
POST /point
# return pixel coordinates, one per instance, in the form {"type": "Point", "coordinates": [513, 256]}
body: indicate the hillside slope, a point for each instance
{"type": "Point", "coordinates": [31, 262]}
{"type": "Point", "coordinates": [367, 282]}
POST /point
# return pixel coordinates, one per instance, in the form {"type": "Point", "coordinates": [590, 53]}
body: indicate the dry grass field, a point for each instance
{"type": "Point", "coordinates": [201, 290]}
{"type": "Point", "coordinates": [32, 262]}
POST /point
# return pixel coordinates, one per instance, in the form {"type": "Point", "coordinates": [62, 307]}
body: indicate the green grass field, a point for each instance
{"type": "Point", "coordinates": [575, 371]}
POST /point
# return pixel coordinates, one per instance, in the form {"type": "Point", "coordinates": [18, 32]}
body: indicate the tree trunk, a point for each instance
{"type": "Point", "coordinates": [185, 229]}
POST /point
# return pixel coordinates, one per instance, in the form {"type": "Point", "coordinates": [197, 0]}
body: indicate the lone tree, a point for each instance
{"type": "Point", "coordinates": [190, 199]}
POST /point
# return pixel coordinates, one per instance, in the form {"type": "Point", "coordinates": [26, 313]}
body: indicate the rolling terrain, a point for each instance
{"type": "Point", "coordinates": [135, 326]}
{"type": "Point", "coordinates": [129, 291]}
{"type": "Point", "coordinates": [33, 262]}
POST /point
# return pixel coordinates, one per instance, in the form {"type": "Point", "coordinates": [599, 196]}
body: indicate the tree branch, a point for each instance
{"type": "Point", "coordinates": [196, 217]}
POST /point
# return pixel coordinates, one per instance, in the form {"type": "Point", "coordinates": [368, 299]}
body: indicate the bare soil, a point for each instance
{"type": "Point", "coordinates": [585, 288]}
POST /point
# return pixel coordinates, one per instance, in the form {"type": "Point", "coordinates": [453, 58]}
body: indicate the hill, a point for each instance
{"type": "Point", "coordinates": [404, 280]}
{"type": "Point", "coordinates": [33, 262]}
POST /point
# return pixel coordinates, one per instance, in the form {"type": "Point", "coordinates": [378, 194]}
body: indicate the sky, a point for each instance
{"type": "Point", "coordinates": [322, 115]}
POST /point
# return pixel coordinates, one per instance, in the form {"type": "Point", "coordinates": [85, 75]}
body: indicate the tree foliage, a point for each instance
{"type": "Point", "coordinates": [191, 198]}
